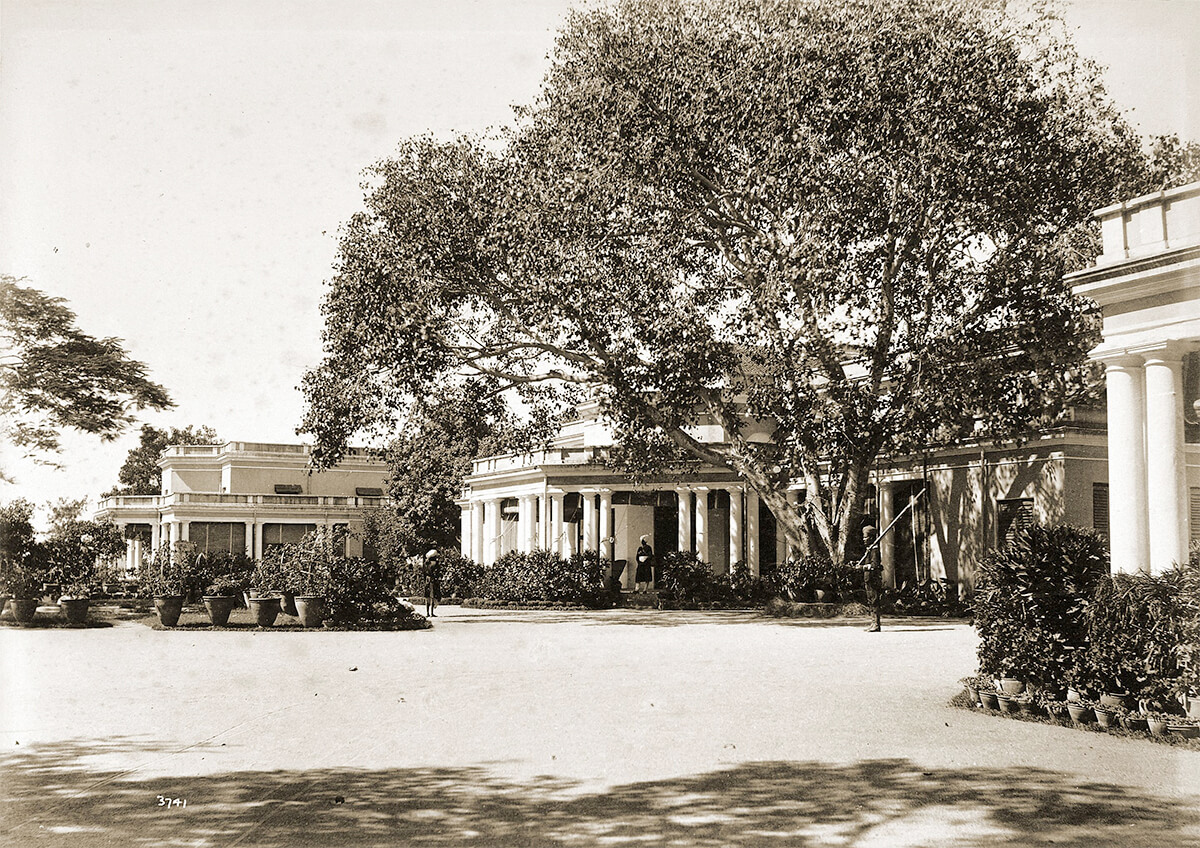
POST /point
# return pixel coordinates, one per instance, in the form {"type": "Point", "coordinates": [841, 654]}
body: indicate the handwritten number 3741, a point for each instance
{"type": "Point", "coordinates": [171, 802]}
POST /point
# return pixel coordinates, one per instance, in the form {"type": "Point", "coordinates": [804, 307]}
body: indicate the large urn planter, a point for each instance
{"type": "Point", "coordinates": [75, 610]}
{"type": "Point", "coordinates": [169, 608]}
{"type": "Point", "coordinates": [23, 609]}
{"type": "Point", "coordinates": [310, 610]}
{"type": "Point", "coordinates": [219, 607]}
{"type": "Point", "coordinates": [264, 611]}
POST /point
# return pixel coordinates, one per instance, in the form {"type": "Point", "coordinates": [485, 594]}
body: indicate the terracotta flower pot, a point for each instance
{"type": "Point", "coordinates": [1105, 718]}
{"type": "Point", "coordinates": [74, 609]}
{"type": "Point", "coordinates": [24, 609]}
{"type": "Point", "coordinates": [989, 699]}
{"type": "Point", "coordinates": [169, 608]}
{"type": "Point", "coordinates": [1073, 695]}
{"type": "Point", "coordinates": [311, 610]}
{"type": "Point", "coordinates": [1081, 714]}
{"type": "Point", "coordinates": [1012, 685]}
{"type": "Point", "coordinates": [219, 607]}
{"type": "Point", "coordinates": [265, 611]}
{"type": "Point", "coordinates": [973, 694]}
{"type": "Point", "coordinates": [1008, 704]}
{"type": "Point", "coordinates": [1186, 731]}
{"type": "Point", "coordinates": [1158, 726]}
{"type": "Point", "coordinates": [1134, 723]}
{"type": "Point", "coordinates": [1114, 699]}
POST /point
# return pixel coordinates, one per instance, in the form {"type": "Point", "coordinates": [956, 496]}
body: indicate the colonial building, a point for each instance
{"type": "Point", "coordinates": [1147, 282]}
{"type": "Point", "coordinates": [952, 505]}
{"type": "Point", "coordinates": [243, 497]}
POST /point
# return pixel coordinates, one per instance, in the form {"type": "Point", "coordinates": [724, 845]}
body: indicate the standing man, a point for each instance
{"type": "Point", "coordinates": [872, 574]}
{"type": "Point", "coordinates": [433, 582]}
{"type": "Point", "coordinates": [644, 577]}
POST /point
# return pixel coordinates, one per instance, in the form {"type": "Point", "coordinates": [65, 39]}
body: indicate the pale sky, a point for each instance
{"type": "Point", "coordinates": [178, 170]}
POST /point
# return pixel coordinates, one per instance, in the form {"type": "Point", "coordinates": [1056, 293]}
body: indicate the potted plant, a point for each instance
{"type": "Point", "coordinates": [220, 597]}
{"type": "Point", "coordinates": [989, 698]}
{"type": "Point", "coordinates": [164, 580]}
{"type": "Point", "coordinates": [24, 585]}
{"type": "Point", "coordinates": [973, 684]}
{"type": "Point", "coordinates": [263, 600]}
{"type": "Point", "coordinates": [74, 602]}
{"type": "Point", "coordinates": [1183, 727]}
{"type": "Point", "coordinates": [1157, 721]}
{"type": "Point", "coordinates": [309, 567]}
{"type": "Point", "coordinates": [1008, 703]}
{"type": "Point", "coordinates": [1106, 716]}
{"type": "Point", "coordinates": [1135, 722]}
{"type": "Point", "coordinates": [1082, 711]}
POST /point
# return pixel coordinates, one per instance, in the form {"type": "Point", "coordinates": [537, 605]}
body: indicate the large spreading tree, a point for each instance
{"type": "Point", "coordinates": [54, 376]}
{"type": "Point", "coordinates": [836, 229]}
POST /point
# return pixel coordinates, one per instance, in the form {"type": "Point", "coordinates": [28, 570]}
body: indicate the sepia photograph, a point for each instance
{"type": "Point", "coordinates": [596, 423]}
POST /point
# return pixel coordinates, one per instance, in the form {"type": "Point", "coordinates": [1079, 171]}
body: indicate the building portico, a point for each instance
{"type": "Point", "coordinates": [1147, 284]}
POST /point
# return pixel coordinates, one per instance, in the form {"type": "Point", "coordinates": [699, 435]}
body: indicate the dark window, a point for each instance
{"type": "Point", "coordinates": [285, 534]}
{"type": "Point", "coordinates": [287, 488]}
{"type": "Point", "coordinates": [1012, 515]}
{"type": "Point", "coordinates": [1100, 508]}
{"type": "Point", "coordinates": [212, 536]}
{"type": "Point", "coordinates": [368, 492]}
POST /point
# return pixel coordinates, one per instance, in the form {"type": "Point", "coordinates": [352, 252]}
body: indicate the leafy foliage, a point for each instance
{"type": "Point", "coordinates": [1136, 626]}
{"type": "Point", "coordinates": [544, 576]}
{"type": "Point", "coordinates": [54, 376]}
{"type": "Point", "coordinates": [1031, 602]}
{"type": "Point", "coordinates": [170, 571]}
{"type": "Point", "coordinates": [73, 550]}
{"type": "Point", "coordinates": [140, 474]}
{"type": "Point", "coordinates": [823, 207]}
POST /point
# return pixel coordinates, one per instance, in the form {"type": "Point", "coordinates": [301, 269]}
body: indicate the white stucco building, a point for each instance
{"type": "Point", "coordinates": [1147, 282]}
{"type": "Point", "coordinates": [243, 497]}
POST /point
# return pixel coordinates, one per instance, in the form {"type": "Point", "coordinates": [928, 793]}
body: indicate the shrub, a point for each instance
{"type": "Point", "coordinates": [221, 566]}
{"type": "Point", "coordinates": [460, 575]}
{"type": "Point", "coordinates": [1136, 623]}
{"type": "Point", "coordinates": [362, 590]}
{"type": "Point", "coordinates": [692, 582]}
{"type": "Point", "coordinates": [1031, 600]}
{"type": "Point", "coordinates": [543, 576]}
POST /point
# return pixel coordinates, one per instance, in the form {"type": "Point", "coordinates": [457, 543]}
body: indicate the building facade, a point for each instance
{"type": "Point", "coordinates": [949, 507]}
{"type": "Point", "coordinates": [244, 497]}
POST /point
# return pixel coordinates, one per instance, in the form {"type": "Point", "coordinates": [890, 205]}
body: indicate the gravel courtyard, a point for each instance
{"type": "Point", "coordinates": [523, 728]}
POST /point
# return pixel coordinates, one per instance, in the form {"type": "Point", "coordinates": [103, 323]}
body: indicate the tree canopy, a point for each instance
{"type": "Point", "coordinates": [140, 474]}
{"type": "Point", "coordinates": [54, 376]}
{"type": "Point", "coordinates": [839, 225]}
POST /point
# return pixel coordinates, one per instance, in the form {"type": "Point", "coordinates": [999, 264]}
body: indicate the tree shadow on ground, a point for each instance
{"type": "Point", "coordinates": [681, 618]}
{"type": "Point", "coordinates": [51, 797]}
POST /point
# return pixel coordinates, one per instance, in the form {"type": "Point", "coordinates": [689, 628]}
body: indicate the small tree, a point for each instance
{"type": "Point", "coordinates": [140, 474]}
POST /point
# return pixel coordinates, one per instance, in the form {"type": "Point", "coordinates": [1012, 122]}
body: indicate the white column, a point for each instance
{"type": "Point", "coordinates": [752, 541]}
{"type": "Point", "coordinates": [606, 548]}
{"type": "Point", "coordinates": [735, 528]}
{"type": "Point", "coordinates": [155, 535]}
{"type": "Point", "coordinates": [702, 523]}
{"type": "Point", "coordinates": [1129, 517]}
{"type": "Point", "coordinates": [258, 540]}
{"type": "Point", "coordinates": [887, 544]}
{"type": "Point", "coordinates": [478, 531]}
{"type": "Point", "coordinates": [464, 523]}
{"type": "Point", "coordinates": [1166, 465]}
{"type": "Point", "coordinates": [557, 542]}
{"type": "Point", "coordinates": [174, 533]}
{"type": "Point", "coordinates": [249, 538]}
{"type": "Point", "coordinates": [129, 556]}
{"type": "Point", "coordinates": [544, 533]}
{"type": "Point", "coordinates": [685, 519]}
{"type": "Point", "coordinates": [523, 522]}
{"type": "Point", "coordinates": [185, 531]}
{"type": "Point", "coordinates": [589, 520]}
{"type": "Point", "coordinates": [137, 555]}
{"type": "Point", "coordinates": [491, 547]}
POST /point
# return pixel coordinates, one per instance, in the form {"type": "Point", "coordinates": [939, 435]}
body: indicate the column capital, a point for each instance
{"type": "Point", "coordinates": [1120, 359]}
{"type": "Point", "coordinates": [1166, 352]}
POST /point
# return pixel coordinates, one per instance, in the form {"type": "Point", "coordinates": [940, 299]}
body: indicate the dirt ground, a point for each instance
{"type": "Point", "coordinates": [553, 728]}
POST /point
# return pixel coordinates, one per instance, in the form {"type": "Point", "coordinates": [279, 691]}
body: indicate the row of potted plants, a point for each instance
{"type": "Point", "coordinates": [1010, 696]}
